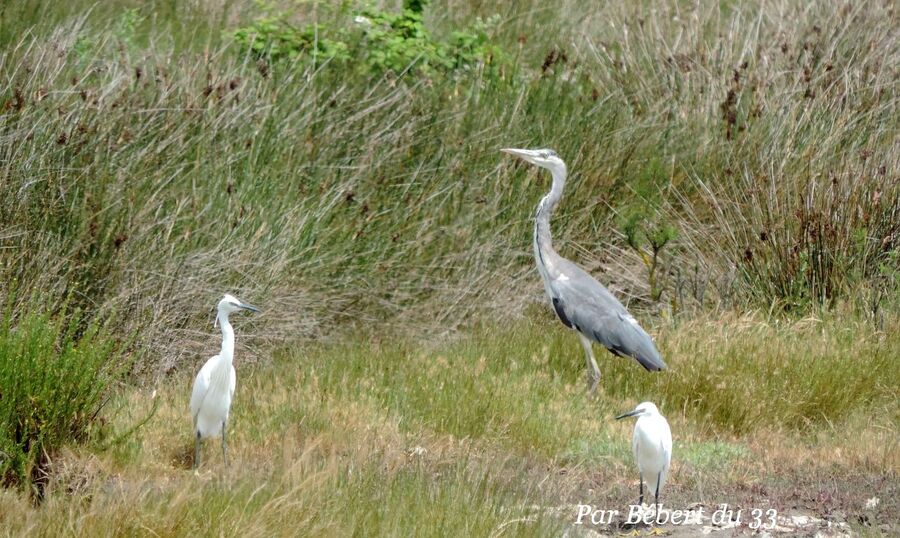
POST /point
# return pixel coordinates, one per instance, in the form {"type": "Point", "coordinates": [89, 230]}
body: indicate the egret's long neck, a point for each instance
{"type": "Point", "coordinates": [544, 254]}
{"type": "Point", "coordinates": [227, 353]}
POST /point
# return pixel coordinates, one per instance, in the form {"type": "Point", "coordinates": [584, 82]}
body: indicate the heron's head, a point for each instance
{"type": "Point", "coordinates": [642, 410]}
{"type": "Point", "coordinates": [230, 304]}
{"type": "Point", "coordinates": [545, 158]}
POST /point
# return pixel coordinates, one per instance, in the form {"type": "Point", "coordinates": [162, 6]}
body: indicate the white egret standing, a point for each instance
{"type": "Point", "coordinates": [651, 446]}
{"type": "Point", "coordinates": [580, 302]}
{"type": "Point", "coordinates": [215, 382]}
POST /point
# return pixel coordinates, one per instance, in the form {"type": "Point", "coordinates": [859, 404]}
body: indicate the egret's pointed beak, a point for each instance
{"type": "Point", "coordinates": [246, 306]}
{"type": "Point", "coordinates": [525, 154]}
{"type": "Point", "coordinates": [628, 414]}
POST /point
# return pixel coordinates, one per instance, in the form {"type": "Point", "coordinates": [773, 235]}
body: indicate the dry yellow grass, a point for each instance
{"type": "Point", "coordinates": [394, 438]}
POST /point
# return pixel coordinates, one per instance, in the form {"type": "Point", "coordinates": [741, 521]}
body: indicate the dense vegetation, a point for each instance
{"type": "Point", "coordinates": [146, 169]}
{"type": "Point", "coordinates": [337, 164]}
{"type": "Point", "coordinates": [53, 381]}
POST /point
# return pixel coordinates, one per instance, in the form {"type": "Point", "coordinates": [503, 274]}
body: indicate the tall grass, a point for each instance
{"type": "Point", "coordinates": [146, 174]}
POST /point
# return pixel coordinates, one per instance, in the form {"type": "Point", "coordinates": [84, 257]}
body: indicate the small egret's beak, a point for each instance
{"type": "Point", "coordinates": [628, 414]}
{"type": "Point", "coordinates": [246, 306]}
{"type": "Point", "coordinates": [525, 154]}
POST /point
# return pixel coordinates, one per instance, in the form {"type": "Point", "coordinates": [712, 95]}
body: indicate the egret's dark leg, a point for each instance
{"type": "Point", "coordinates": [593, 371]}
{"type": "Point", "coordinates": [656, 530]}
{"type": "Point", "coordinates": [224, 445]}
{"type": "Point", "coordinates": [197, 450]}
{"type": "Point", "coordinates": [656, 495]}
{"type": "Point", "coordinates": [641, 498]}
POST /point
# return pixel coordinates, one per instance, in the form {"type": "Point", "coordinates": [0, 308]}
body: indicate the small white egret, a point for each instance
{"type": "Point", "coordinates": [651, 446]}
{"type": "Point", "coordinates": [215, 383]}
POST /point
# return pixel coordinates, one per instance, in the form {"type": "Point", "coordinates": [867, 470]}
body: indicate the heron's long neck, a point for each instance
{"type": "Point", "coordinates": [544, 254]}
{"type": "Point", "coordinates": [227, 353]}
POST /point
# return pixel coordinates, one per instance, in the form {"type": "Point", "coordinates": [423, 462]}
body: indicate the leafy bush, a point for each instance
{"type": "Point", "coordinates": [396, 41]}
{"type": "Point", "coordinates": [275, 39]}
{"type": "Point", "coordinates": [52, 380]}
{"type": "Point", "coordinates": [380, 42]}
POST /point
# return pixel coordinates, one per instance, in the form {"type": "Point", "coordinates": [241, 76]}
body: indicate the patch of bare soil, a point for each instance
{"type": "Point", "coordinates": [700, 520]}
{"type": "Point", "coordinates": [802, 502]}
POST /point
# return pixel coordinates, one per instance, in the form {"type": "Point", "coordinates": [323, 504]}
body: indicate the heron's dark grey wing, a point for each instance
{"type": "Point", "coordinates": [560, 311]}
{"type": "Point", "coordinates": [594, 312]}
{"type": "Point", "coordinates": [622, 336]}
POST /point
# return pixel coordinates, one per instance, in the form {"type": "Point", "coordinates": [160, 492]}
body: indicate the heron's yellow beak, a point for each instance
{"type": "Point", "coordinates": [525, 154]}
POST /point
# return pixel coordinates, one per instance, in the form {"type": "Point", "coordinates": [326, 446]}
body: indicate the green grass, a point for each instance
{"type": "Point", "coordinates": [714, 455]}
{"type": "Point", "coordinates": [731, 377]}
{"type": "Point", "coordinates": [492, 431]}
{"type": "Point", "coordinates": [53, 382]}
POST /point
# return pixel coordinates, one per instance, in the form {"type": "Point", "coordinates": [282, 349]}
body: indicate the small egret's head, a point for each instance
{"type": "Point", "coordinates": [545, 158]}
{"type": "Point", "coordinates": [230, 304]}
{"type": "Point", "coordinates": [642, 410]}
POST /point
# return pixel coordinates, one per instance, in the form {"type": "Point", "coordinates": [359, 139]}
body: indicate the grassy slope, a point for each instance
{"type": "Point", "coordinates": [324, 440]}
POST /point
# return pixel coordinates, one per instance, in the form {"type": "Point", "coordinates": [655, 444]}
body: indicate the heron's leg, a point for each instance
{"type": "Point", "coordinates": [197, 450]}
{"type": "Point", "coordinates": [224, 444]}
{"type": "Point", "coordinates": [593, 371]}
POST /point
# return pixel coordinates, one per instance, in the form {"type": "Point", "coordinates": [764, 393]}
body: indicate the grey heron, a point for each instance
{"type": "Point", "coordinates": [215, 383]}
{"type": "Point", "coordinates": [580, 302]}
{"type": "Point", "coordinates": [651, 445]}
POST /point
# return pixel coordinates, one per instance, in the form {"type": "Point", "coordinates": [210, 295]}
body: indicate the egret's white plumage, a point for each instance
{"type": "Point", "coordinates": [216, 374]}
{"type": "Point", "coordinates": [215, 383]}
{"type": "Point", "coordinates": [651, 445]}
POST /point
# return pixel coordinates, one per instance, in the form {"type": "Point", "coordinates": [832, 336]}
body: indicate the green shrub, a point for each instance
{"type": "Point", "coordinates": [379, 42]}
{"type": "Point", "coordinates": [53, 376]}
{"type": "Point", "coordinates": [273, 38]}
{"type": "Point", "coordinates": [397, 41]}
